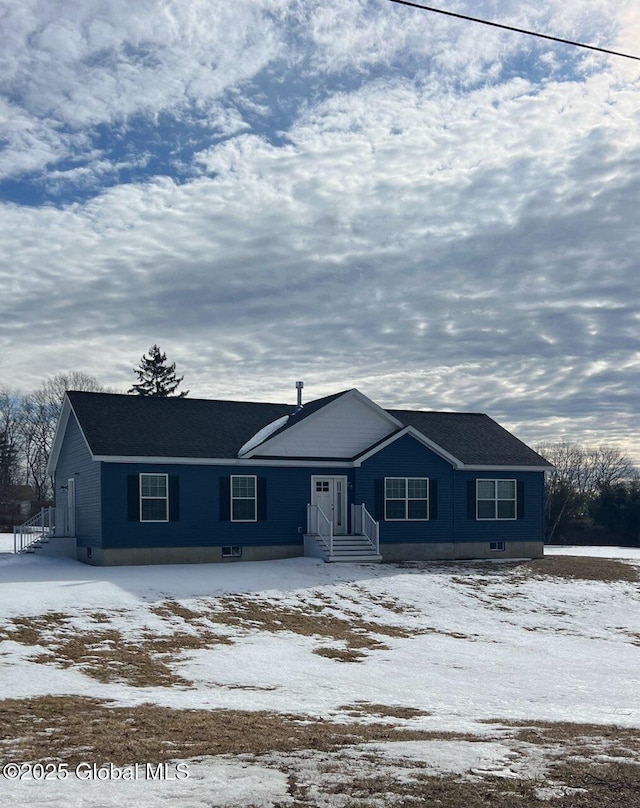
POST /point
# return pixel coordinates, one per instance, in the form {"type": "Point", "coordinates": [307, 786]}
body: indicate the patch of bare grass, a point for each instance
{"type": "Point", "coordinates": [360, 708]}
{"type": "Point", "coordinates": [104, 654]}
{"type": "Point", "coordinates": [339, 654]}
{"type": "Point", "coordinates": [34, 630]}
{"type": "Point", "coordinates": [374, 779]}
{"type": "Point", "coordinates": [573, 736]}
{"type": "Point", "coordinates": [422, 789]}
{"type": "Point", "coordinates": [579, 568]}
{"type": "Point", "coordinates": [385, 602]}
{"type": "Point", "coordinates": [173, 608]}
{"type": "Point", "coordinates": [74, 729]}
{"type": "Point", "coordinates": [107, 657]}
{"type": "Point", "coordinates": [597, 785]}
{"type": "Point", "coordinates": [253, 613]}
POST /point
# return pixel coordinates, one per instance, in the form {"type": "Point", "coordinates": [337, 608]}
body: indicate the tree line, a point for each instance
{"type": "Point", "coordinates": [592, 495]}
{"type": "Point", "coordinates": [28, 421]}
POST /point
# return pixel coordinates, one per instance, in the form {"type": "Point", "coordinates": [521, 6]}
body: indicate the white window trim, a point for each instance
{"type": "Point", "coordinates": [407, 518]}
{"type": "Point", "coordinates": [497, 546]}
{"type": "Point", "coordinates": [497, 499]}
{"type": "Point", "coordinates": [165, 497]}
{"type": "Point", "coordinates": [254, 498]}
{"type": "Point", "coordinates": [233, 551]}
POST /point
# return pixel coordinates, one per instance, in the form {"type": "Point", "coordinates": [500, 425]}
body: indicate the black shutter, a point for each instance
{"type": "Point", "coordinates": [174, 498]}
{"type": "Point", "coordinates": [433, 499]}
{"type": "Point", "coordinates": [225, 499]}
{"type": "Point", "coordinates": [262, 499]}
{"type": "Point", "coordinates": [520, 503]}
{"type": "Point", "coordinates": [133, 498]}
{"type": "Point", "coordinates": [378, 500]}
{"type": "Point", "coordinates": [471, 499]}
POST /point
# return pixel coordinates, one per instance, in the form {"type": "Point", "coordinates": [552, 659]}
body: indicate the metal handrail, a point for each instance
{"type": "Point", "coordinates": [38, 527]}
{"type": "Point", "coordinates": [319, 524]}
{"type": "Point", "coordinates": [363, 523]}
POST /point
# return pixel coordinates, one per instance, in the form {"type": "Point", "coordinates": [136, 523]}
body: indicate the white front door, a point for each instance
{"type": "Point", "coordinates": [71, 506]}
{"type": "Point", "coordinates": [330, 494]}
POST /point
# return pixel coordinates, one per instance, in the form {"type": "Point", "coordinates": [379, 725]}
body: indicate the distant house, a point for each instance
{"type": "Point", "coordinates": [143, 480]}
{"type": "Point", "coordinates": [17, 503]}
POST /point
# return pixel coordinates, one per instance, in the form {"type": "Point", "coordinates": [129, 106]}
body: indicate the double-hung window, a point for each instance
{"type": "Point", "coordinates": [496, 499]}
{"type": "Point", "coordinates": [154, 497]}
{"type": "Point", "coordinates": [244, 495]}
{"type": "Point", "coordinates": [406, 498]}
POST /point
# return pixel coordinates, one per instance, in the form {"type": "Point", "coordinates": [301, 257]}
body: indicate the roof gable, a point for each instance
{"type": "Point", "coordinates": [339, 426]}
{"type": "Point", "coordinates": [473, 438]}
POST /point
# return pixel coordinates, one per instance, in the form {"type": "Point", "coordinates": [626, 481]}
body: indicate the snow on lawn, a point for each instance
{"type": "Point", "coordinates": [548, 649]}
{"type": "Point", "coordinates": [632, 553]}
{"type": "Point", "coordinates": [6, 542]}
{"type": "Point", "coordinates": [462, 642]}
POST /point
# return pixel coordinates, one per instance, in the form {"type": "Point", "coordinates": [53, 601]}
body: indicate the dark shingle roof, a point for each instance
{"type": "Point", "coordinates": [170, 427]}
{"type": "Point", "coordinates": [144, 426]}
{"type": "Point", "coordinates": [471, 437]}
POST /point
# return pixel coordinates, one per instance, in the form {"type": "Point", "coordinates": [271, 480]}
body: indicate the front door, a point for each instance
{"type": "Point", "coordinates": [330, 494]}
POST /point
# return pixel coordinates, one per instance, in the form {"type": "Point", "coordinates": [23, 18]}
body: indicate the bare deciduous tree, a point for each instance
{"type": "Point", "coordinates": [38, 418]}
{"type": "Point", "coordinates": [579, 475]}
{"type": "Point", "coordinates": [10, 438]}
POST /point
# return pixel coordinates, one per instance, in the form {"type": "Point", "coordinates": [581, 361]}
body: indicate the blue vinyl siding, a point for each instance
{"type": "Point", "coordinates": [407, 458]}
{"type": "Point", "coordinates": [75, 461]}
{"type": "Point", "coordinates": [288, 490]}
{"type": "Point", "coordinates": [528, 528]}
{"type": "Point", "coordinates": [202, 522]}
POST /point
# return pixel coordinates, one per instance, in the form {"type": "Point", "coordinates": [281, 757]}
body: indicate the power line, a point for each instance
{"type": "Point", "coordinates": [517, 30]}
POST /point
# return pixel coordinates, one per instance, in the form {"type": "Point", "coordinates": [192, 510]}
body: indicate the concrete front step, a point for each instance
{"type": "Point", "coordinates": [58, 546]}
{"type": "Point", "coordinates": [351, 548]}
{"type": "Point", "coordinates": [354, 558]}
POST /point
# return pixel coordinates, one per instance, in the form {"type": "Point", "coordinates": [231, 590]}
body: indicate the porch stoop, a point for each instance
{"type": "Point", "coordinates": [352, 548]}
{"type": "Point", "coordinates": [44, 534]}
{"type": "Point", "coordinates": [362, 544]}
{"type": "Point", "coordinates": [58, 546]}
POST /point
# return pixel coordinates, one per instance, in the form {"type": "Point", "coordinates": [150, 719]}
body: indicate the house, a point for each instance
{"type": "Point", "coordinates": [142, 480]}
{"type": "Point", "coordinates": [17, 502]}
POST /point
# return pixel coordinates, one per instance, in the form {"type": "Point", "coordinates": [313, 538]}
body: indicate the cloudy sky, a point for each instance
{"type": "Point", "coordinates": [348, 192]}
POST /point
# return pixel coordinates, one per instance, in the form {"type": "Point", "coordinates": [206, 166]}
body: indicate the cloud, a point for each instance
{"type": "Point", "coordinates": [69, 67]}
{"type": "Point", "coordinates": [351, 205]}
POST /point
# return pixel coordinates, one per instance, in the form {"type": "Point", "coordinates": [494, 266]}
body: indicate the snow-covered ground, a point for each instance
{"type": "Point", "coordinates": [484, 642]}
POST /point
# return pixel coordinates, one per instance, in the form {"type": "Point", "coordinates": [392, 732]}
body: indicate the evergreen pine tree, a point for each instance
{"type": "Point", "coordinates": [155, 377]}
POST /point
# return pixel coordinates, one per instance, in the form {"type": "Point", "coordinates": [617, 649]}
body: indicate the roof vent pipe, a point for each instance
{"type": "Point", "coordinates": [299, 386]}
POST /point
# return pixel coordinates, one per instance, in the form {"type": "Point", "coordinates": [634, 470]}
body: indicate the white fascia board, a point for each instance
{"type": "Point", "coordinates": [223, 461]}
{"type": "Point", "coordinates": [291, 462]}
{"type": "Point", "coordinates": [504, 468]}
{"type": "Point", "coordinates": [393, 421]}
{"type": "Point", "coordinates": [61, 427]}
{"type": "Point", "coordinates": [413, 432]}
{"type": "Point", "coordinates": [66, 412]}
{"type": "Point", "coordinates": [354, 393]}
